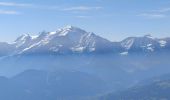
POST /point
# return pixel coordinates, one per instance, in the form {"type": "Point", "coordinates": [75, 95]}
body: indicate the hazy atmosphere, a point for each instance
{"type": "Point", "coordinates": [84, 49]}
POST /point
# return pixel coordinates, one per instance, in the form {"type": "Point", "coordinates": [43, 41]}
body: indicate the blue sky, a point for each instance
{"type": "Point", "coordinates": [112, 19]}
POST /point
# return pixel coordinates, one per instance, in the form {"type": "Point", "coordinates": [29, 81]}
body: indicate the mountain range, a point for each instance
{"type": "Point", "coordinates": [73, 63]}
{"type": "Point", "coordinates": [74, 40]}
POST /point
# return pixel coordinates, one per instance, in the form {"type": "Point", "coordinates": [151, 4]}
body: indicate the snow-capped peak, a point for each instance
{"type": "Point", "coordinates": [68, 30]}
{"type": "Point", "coordinates": [149, 36]}
{"type": "Point", "coordinates": [34, 36]}
{"type": "Point", "coordinates": [23, 37]}
{"type": "Point", "coordinates": [144, 43]}
{"type": "Point", "coordinates": [22, 40]}
{"type": "Point", "coordinates": [69, 38]}
{"type": "Point", "coordinates": [69, 27]}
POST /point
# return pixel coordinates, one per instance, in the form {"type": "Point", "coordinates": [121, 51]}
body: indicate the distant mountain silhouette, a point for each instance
{"type": "Point", "coordinates": [42, 85]}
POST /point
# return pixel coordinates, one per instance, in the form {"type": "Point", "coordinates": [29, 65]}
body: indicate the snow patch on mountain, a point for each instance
{"type": "Point", "coordinates": [150, 49]}
{"type": "Point", "coordinates": [128, 43]}
{"type": "Point", "coordinates": [78, 49]}
{"type": "Point", "coordinates": [149, 36]}
{"type": "Point", "coordinates": [124, 53]}
{"type": "Point", "coordinates": [162, 43]}
{"type": "Point", "coordinates": [22, 40]}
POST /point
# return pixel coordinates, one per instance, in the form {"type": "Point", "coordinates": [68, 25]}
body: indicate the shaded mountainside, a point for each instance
{"type": "Point", "coordinates": [43, 85]}
{"type": "Point", "coordinates": [157, 88]}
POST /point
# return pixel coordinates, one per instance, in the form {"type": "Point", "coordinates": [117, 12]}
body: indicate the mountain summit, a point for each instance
{"type": "Point", "coordinates": [69, 39]}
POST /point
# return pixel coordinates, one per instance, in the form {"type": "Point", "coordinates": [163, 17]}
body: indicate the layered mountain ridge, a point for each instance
{"type": "Point", "coordinates": [75, 40]}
